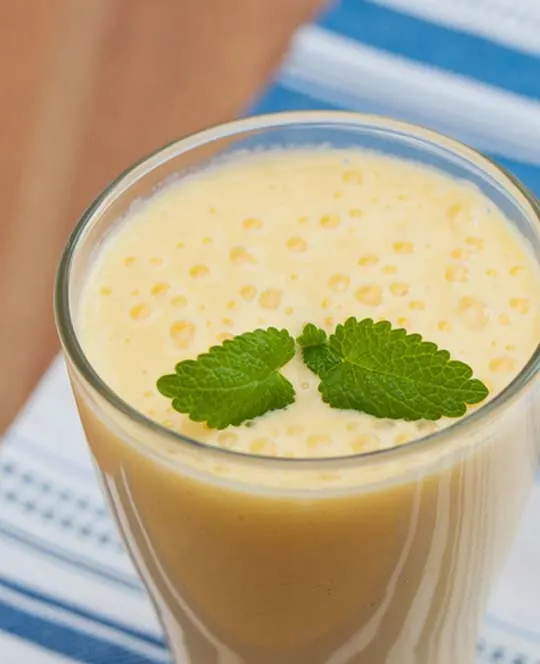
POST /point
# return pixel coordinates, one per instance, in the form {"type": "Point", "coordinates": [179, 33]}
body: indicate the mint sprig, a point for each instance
{"type": "Point", "coordinates": [365, 366]}
{"type": "Point", "coordinates": [385, 372]}
{"type": "Point", "coordinates": [234, 382]}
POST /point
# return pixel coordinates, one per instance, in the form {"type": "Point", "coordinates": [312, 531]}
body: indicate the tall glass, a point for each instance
{"type": "Point", "coordinates": [380, 558]}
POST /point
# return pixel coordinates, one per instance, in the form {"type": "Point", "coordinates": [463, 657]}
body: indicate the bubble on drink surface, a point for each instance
{"type": "Point", "coordinates": [198, 271]}
{"type": "Point", "coordinates": [520, 305]}
{"type": "Point", "coordinates": [370, 295]}
{"type": "Point", "coordinates": [140, 311]}
{"type": "Point", "coordinates": [326, 303]}
{"type": "Point", "coordinates": [241, 256]}
{"type": "Point", "coordinates": [403, 247]}
{"type": "Point", "coordinates": [195, 430]}
{"type": "Point", "coordinates": [503, 365]}
{"type": "Point", "coordinates": [318, 441]}
{"type": "Point", "coordinates": [156, 261]}
{"type": "Point", "coordinates": [456, 273]}
{"type": "Point", "coordinates": [182, 332]}
{"type": "Point", "coordinates": [364, 442]}
{"type": "Point", "coordinates": [458, 214]}
{"type": "Point", "coordinates": [297, 244]}
{"type": "Point", "coordinates": [270, 298]}
{"type": "Point", "coordinates": [295, 430]}
{"type": "Point", "coordinates": [356, 213]}
{"type": "Point", "coordinates": [368, 259]}
{"type": "Point", "coordinates": [330, 221]}
{"type": "Point", "coordinates": [105, 291]}
{"type": "Point", "coordinates": [129, 261]}
{"type": "Point", "coordinates": [252, 224]}
{"type": "Point", "coordinates": [472, 313]}
{"type": "Point", "coordinates": [399, 288]}
{"type": "Point", "coordinates": [476, 242]}
{"type": "Point", "coordinates": [248, 292]}
{"type": "Point", "coordinates": [263, 447]}
{"type": "Point", "coordinates": [160, 288]}
{"type": "Point", "coordinates": [353, 177]}
{"type": "Point", "coordinates": [444, 326]}
{"type": "Point", "coordinates": [515, 270]}
{"type": "Point", "coordinates": [417, 305]}
{"type": "Point", "coordinates": [224, 336]}
{"type": "Point", "coordinates": [339, 283]}
{"type": "Point", "coordinates": [179, 301]}
{"type": "Point", "coordinates": [401, 438]}
{"type": "Point", "coordinates": [458, 253]}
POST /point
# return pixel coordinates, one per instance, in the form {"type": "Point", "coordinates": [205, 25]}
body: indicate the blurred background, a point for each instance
{"type": "Point", "coordinates": [87, 87]}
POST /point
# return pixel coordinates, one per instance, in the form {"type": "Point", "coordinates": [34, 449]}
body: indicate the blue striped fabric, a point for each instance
{"type": "Point", "coordinates": [436, 45]}
{"type": "Point", "coordinates": [68, 592]}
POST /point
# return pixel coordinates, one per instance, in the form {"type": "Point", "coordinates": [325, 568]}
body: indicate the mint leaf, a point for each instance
{"type": "Point", "coordinates": [391, 374]}
{"type": "Point", "coordinates": [234, 382]}
{"type": "Point", "coordinates": [316, 352]}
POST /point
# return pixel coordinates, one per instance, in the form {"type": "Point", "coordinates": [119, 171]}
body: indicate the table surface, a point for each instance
{"type": "Point", "coordinates": [468, 68]}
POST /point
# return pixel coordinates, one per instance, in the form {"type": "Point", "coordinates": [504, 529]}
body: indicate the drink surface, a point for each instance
{"type": "Point", "coordinates": [288, 237]}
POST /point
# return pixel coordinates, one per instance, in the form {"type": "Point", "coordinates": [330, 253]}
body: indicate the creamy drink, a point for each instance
{"type": "Point", "coordinates": [257, 547]}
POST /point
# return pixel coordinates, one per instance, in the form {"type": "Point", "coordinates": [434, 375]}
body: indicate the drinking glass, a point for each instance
{"type": "Point", "coordinates": [380, 558]}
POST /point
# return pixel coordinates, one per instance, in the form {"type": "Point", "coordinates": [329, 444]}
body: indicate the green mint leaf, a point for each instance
{"type": "Point", "coordinates": [316, 352]}
{"type": "Point", "coordinates": [391, 374]}
{"type": "Point", "coordinates": [234, 382]}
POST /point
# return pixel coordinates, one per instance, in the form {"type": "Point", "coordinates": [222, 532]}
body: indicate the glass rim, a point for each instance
{"type": "Point", "coordinates": [126, 179]}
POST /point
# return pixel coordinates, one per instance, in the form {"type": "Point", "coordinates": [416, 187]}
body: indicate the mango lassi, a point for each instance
{"type": "Point", "coordinates": [349, 563]}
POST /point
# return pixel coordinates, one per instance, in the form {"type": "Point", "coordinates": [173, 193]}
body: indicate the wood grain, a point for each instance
{"type": "Point", "coordinates": [87, 87]}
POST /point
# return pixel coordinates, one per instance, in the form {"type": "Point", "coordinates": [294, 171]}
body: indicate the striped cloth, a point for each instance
{"type": "Point", "coordinates": [469, 68]}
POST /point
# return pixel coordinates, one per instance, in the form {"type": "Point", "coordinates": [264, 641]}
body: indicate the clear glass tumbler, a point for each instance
{"type": "Point", "coordinates": [251, 560]}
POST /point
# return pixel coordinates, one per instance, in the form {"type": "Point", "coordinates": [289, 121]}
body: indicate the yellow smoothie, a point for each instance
{"type": "Point", "coordinates": [348, 562]}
